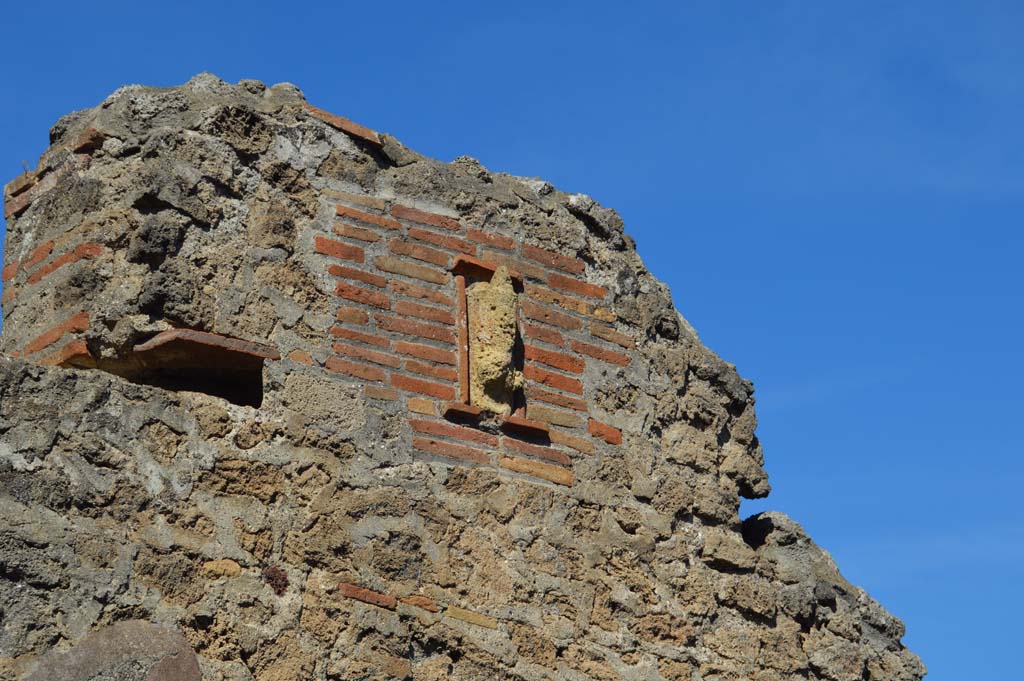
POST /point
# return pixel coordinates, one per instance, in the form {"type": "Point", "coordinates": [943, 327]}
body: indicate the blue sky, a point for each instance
{"type": "Point", "coordinates": [833, 191]}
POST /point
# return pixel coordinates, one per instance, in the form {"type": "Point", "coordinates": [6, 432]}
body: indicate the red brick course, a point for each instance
{"type": "Point", "coordinates": [612, 436]}
{"type": "Point", "coordinates": [76, 323]}
{"type": "Point", "coordinates": [337, 249]}
{"type": "Point", "coordinates": [395, 265]}
{"type": "Point", "coordinates": [496, 240]}
{"type": "Point", "coordinates": [427, 352]}
{"type": "Point", "coordinates": [358, 294]}
{"type": "Point", "coordinates": [576, 286]}
{"type": "Point", "coordinates": [409, 327]}
{"type": "Point", "coordinates": [360, 336]}
{"type": "Point", "coordinates": [432, 371]}
{"type": "Point", "coordinates": [450, 450]}
{"type": "Point", "coordinates": [425, 218]}
{"type": "Point", "coordinates": [357, 233]}
{"type": "Point", "coordinates": [452, 243]}
{"type": "Point", "coordinates": [39, 254]}
{"type": "Point", "coordinates": [367, 596]}
{"type": "Point", "coordinates": [450, 430]}
{"type": "Point", "coordinates": [434, 257]}
{"type": "Point", "coordinates": [553, 380]}
{"type": "Point", "coordinates": [424, 312]}
{"type": "Point", "coordinates": [540, 452]}
{"type": "Point", "coordinates": [367, 218]}
{"type": "Point", "coordinates": [404, 288]}
{"type": "Point", "coordinates": [363, 371]}
{"type": "Point", "coordinates": [9, 271]}
{"type": "Point", "coordinates": [416, 385]}
{"type": "Point", "coordinates": [353, 315]}
{"type": "Point", "coordinates": [374, 356]}
{"type": "Point", "coordinates": [82, 252]}
{"type": "Point", "coordinates": [346, 126]}
{"type": "Point", "coordinates": [599, 353]}
{"type": "Point", "coordinates": [554, 359]}
{"type": "Point", "coordinates": [548, 316]}
{"type": "Point", "coordinates": [542, 333]}
{"type": "Point", "coordinates": [357, 275]}
{"type": "Point", "coordinates": [552, 259]}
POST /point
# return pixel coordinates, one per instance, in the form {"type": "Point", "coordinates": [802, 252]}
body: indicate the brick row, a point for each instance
{"type": "Point", "coordinates": [544, 314]}
{"type": "Point", "coordinates": [557, 360]}
{"type": "Point", "coordinates": [389, 263]}
{"type": "Point", "coordinates": [9, 271]}
{"type": "Point", "coordinates": [348, 231]}
{"type": "Point", "coordinates": [38, 254]}
{"type": "Point", "coordinates": [353, 315]}
{"type": "Point", "coordinates": [496, 240]}
{"type": "Point", "coordinates": [355, 369]}
{"type": "Point", "coordinates": [452, 243]}
{"type": "Point", "coordinates": [596, 352]}
{"type": "Point", "coordinates": [357, 294]}
{"type": "Point", "coordinates": [538, 393]}
{"type": "Point", "coordinates": [83, 252]}
{"type": "Point", "coordinates": [425, 218]}
{"type": "Point", "coordinates": [609, 434]}
{"type": "Point", "coordinates": [545, 471]}
{"type": "Point", "coordinates": [552, 259]}
{"type": "Point", "coordinates": [357, 275]}
{"type": "Point", "coordinates": [337, 249]}
{"type": "Point", "coordinates": [348, 127]}
{"type": "Point", "coordinates": [450, 450]}
{"type": "Point", "coordinates": [75, 323]}
{"type": "Point", "coordinates": [432, 371]}
{"type": "Point", "coordinates": [425, 312]}
{"type": "Point", "coordinates": [366, 218]}
{"type": "Point", "coordinates": [552, 379]}
{"type": "Point", "coordinates": [546, 453]}
{"type": "Point", "coordinates": [576, 286]}
{"type": "Point", "coordinates": [609, 334]}
{"type": "Point", "coordinates": [404, 288]}
{"type": "Point", "coordinates": [373, 356]}
{"type": "Point", "coordinates": [454, 432]}
{"type": "Point", "coordinates": [426, 352]}
{"type": "Point", "coordinates": [566, 302]}
{"type": "Point", "coordinates": [408, 327]}
{"type": "Point", "coordinates": [75, 349]}
{"type": "Point", "coordinates": [543, 333]}
{"type": "Point", "coordinates": [360, 336]}
{"type": "Point", "coordinates": [423, 387]}
{"type": "Point", "coordinates": [418, 252]}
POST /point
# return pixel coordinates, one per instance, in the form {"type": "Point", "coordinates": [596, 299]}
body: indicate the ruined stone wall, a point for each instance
{"type": "Point", "coordinates": [353, 509]}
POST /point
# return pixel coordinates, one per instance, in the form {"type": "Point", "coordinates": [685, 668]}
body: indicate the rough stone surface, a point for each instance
{"type": "Point", "coordinates": [343, 528]}
{"type": "Point", "coordinates": [493, 375]}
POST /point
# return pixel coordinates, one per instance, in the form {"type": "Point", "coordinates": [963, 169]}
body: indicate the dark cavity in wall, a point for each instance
{"type": "Point", "coordinates": [197, 361]}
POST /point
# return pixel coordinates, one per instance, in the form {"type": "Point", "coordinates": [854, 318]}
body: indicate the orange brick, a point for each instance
{"type": "Point", "coordinates": [302, 357]}
{"type": "Point", "coordinates": [384, 358]}
{"type": "Point", "coordinates": [395, 265]}
{"type": "Point", "coordinates": [416, 385]}
{"type": "Point", "coordinates": [524, 268]}
{"type": "Point", "coordinates": [552, 259]}
{"type": "Point", "coordinates": [543, 334]}
{"type": "Point", "coordinates": [553, 416]}
{"type": "Point", "coordinates": [364, 200]}
{"type": "Point", "coordinates": [75, 350]}
{"type": "Point", "coordinates": [562, 301]}
{"type": "Point", "coordinates": [421, 601]}
{"type": "Point", "coordinates": [76, 323]}
{"type": "Point", "coordinates": [612, 436]}
{"type": "Point", "coordinates": [358, 233]}
{"type": "Point", "coordinates": [554, 359]}
{"type": "Point", "coordinates": [424, 312]}
{"type": "Point", "coordinates": [357, 275]}
{"type": "Point", "coordinates": [368, 338]}
{"type": "Point", "coordinates": [578, 443]}
{"type": "Point", "coordinates": [611, 335]}
{"type": "Point", "coordinates": [427, 352]}
{"type": "Point", "coordinates": [39, 254]}
{"type": "Point", "coordinates": [537, 393]}
{"type": "Point", "coordinates": [599, 353]}
{"type": "Point", "coordinates": [15, 205]}
{"type": "Point", "coordinates": [450, 450]}
{"type": "Point", "coordinates": [367, 373]}
{"type": "Point", "coordinates": [379, 392]}
{"type": "Point", "coordinates": [421, 405]}
{"type": "Point", "coordinates": [336, 249]}
{"type": "Point", "coordinates": [496, 240]}
{"type": "Point", "coordinates": [421, 292]}
{"type": "Point", "coordinates": [368, 218]}
{"type": "Point", "coordinates": [365, 296]}
{"type": "Point", "coordinates": [413, 328]}
{"type": "Point", "coordinates": [571, 285]}
{"type": "Point", "coordinates": [452, 243]}
{"type": "Point", "coordinates": [9, 271]}
{"type": "Point", "coordinates": [425, 218]}
{"type": "Point", "coordinates": [19, 184]}
{"type": "Point", "coordinates": [82, 252]}
{"type": "Point", "coordinates": [367, 596]}
{"type": "Point", "coordinates": [443, 373]}
{"type": "Point", "coordinates": [353, 315]}
{"type": "Point", "coordinates": [418, 252]}
{"type": "Point", "coordinates": [540, 452]}
{"type": "Point", "coordinates": [450, 430]}
{"type": "Point", "coordinates": [553, 380]}
{"type": "Point", "coordinates": [545, 471]}
{"type": "Point", "coordinates": [548, 316]}
{"type": "Point", "coordinates": [345, 125]}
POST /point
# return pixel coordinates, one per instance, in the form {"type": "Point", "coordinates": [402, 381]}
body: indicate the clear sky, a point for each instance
{"type": "Point", "coordinates": [833, 191]}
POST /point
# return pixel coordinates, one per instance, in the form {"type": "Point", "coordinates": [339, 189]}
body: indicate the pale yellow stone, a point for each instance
{"type": "Point", "coordinates": [492, 310]}
{"type": "Point", "coordinates": [471, 617]}
{"type": "Point", "coordinates": [224, 567]}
